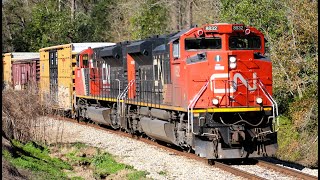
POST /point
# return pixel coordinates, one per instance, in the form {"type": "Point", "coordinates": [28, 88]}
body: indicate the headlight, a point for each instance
{"type": "Point", "coordinates": [232, 59]}
{"type": "Point", "coordinates": [232, 65]}
{"type": "Point", "coordinates": [232, 62]}
{"type": "Point", "coordinates": [215, 101]}
{"type": "Point", "coordinates": [259, 100]}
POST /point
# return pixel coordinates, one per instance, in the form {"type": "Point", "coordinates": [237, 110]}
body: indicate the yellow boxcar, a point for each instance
{"type": "Point", "coordinates": [9, 58]}
{"type": "Point", "coordinates": [57, 64]}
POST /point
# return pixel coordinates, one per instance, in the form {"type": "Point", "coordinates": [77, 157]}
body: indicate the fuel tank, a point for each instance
{"type": "Point", "coordinates": [157, 129]}
{"type": "Point", "coordinates": [99, 115]}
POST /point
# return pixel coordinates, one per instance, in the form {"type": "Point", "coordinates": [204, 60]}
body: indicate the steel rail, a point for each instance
{"type": "Point", "coordinates": [284, 170]}
{"type": "Point", "coordinates": [237, 172]}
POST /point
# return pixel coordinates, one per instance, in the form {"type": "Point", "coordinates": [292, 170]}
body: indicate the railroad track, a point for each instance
{"type": "Point", "coordinates": [236, 171]}
{"type": "Point", "coordinates": [284, 170]}
{"type": "Point", "coordinates": [216, 164]}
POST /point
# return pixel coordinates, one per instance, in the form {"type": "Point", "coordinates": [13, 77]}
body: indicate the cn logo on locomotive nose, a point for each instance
{"type": "Point", "coordinates": [220, 78]}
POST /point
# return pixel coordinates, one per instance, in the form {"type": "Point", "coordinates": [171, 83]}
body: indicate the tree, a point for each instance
{"type": "Point", "coordinates": [151, 19]}
{"type": "Point", "coordinates": [14, 20]}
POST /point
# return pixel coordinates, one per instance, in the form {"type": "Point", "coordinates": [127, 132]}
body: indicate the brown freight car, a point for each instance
{"type": "Point", "coordinates": [20, 69]}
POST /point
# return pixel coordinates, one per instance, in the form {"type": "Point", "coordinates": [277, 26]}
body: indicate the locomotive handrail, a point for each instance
{"type": "Point", "coordinates": [273, 102]}
{"type": "Point", "coordinates": [122, 95]}
{"type": "Point", "coordinates": [118, 102]}
{"type": "Point", "coordinates": [124, 91]}
{"type": "Point", "coordinates": [192, 104]}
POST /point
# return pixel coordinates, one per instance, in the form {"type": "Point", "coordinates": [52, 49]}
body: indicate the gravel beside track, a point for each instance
{"type": "Point", "coordinates": [312, 172]}
{"type": "Point", "coordinates": [159, 163]}
{"type": "Point", "coordinates": [263, 172]}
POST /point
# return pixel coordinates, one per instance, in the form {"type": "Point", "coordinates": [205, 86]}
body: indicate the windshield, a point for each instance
{"type": "Point", "coordinates": [247, 42]}
{"type": "Point", "coordinates": [202, 43]}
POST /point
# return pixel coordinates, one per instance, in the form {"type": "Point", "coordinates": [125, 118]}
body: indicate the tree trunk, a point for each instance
{"type": "Point", "coordinates": [73, 7]}
{"type": "Point", "coordinates": [188, 12]}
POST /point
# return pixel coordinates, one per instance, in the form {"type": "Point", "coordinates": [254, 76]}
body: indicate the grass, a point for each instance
{"type": "Point", "coordinates": [79, 145]}
{"type": "Point", "coordinates": [36, 158]}
{"type": "Point", "coordinates": [74, 159]}
{"type": "Point", "coordinates": [104, 164]}
{"type": "Point", "coordinates": [137, 175]}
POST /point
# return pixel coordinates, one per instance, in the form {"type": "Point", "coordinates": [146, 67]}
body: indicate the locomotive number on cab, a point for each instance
{"type": "Point", "coordinates": [211, 28]}
{"type": "Point", "coordinates": [237, 28]}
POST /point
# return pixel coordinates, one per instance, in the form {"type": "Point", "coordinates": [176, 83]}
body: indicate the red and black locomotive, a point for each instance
{"type": "Point", "coordinates": [206, 89]}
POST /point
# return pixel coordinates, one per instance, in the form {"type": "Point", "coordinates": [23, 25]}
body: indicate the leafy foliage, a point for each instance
{"type": "Point", "coordinates": [267, 16]}
{"type": "Point", "coordinates": [151, 20]}
{"type": "Point", "coordinates": [48, 27]}
{"type": "Point", "coordinates": [100, 20]}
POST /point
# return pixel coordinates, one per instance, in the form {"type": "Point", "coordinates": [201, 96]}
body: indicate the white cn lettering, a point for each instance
{"type": "Point", "coordinates": [223, 78]}
{"type": "Point", "coordinates": [254, 81]}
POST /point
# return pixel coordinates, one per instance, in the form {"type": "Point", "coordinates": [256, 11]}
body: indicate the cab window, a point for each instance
{"type": "Point", "coordinates": [176, 49]}
{"type": "Point", "coordinates": [202, 43]}
{"type": "Point", "coordinates": [244, 42]}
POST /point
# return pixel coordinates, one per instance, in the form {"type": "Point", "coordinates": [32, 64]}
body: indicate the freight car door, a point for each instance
{"type": "Point", "coordinates": [53, 73]}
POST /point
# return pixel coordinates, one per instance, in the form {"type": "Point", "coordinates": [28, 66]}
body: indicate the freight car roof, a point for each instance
{"type": "Point", "coordinates": [16, 56]}
{"type": "Point", "coordinates": [78, 47]}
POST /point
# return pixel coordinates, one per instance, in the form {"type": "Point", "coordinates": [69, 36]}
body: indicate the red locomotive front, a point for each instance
{"type": "Point", "coordinates": [229, 60]}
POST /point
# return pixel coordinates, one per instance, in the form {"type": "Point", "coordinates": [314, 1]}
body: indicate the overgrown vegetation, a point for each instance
{"type": "Point", "coordinates": [291, 27]}
{"type": "Point", "coordinates": [36, 158]}
{"type": "Point", "coordinates": [41, 162]}
{"type": "Point", "coordinates": [22, 121]}
{"type": "Point", "coordinates": [21, 112]}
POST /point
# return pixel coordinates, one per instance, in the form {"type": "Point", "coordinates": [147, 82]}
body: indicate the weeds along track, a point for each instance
{"type": "Point", "coordinates": [223, 165]}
